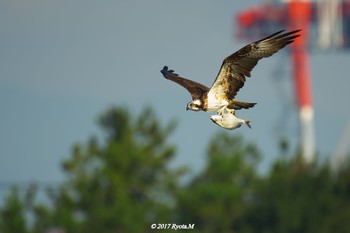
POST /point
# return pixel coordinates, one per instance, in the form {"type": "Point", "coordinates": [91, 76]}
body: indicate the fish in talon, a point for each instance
{"type": "Point", "coordinates": [229, 121]}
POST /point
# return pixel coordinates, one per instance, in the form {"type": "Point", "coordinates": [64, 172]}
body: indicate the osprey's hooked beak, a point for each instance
{"type": "Point", "coordinates": [187, 108]}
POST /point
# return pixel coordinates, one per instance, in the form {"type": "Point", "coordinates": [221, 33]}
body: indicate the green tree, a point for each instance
{"type": "Point", "coordinates": [296, 197]}
{"type": "Point", "coordinates": [217, 199]}
{"type": "Point", "coordinates": [12, 214]}
{"type": "Point", "coordinates": [121, 185]}
{"type": "Point", "coordinates": [124, 184]}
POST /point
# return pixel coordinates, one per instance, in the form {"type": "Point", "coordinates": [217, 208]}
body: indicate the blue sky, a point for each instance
{"type": "Point", "coordinates": [62, 63]}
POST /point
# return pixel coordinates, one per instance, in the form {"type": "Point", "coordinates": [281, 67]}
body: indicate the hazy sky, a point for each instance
{"type": "Point", "coordinates": [63, 62]}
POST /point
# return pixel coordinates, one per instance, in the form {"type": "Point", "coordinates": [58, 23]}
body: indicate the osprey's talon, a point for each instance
{"type": "Point", "coordinates": [221, 111]}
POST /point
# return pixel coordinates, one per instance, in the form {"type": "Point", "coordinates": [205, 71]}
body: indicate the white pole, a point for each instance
{"type": "Point", "coordinates": [306, 115]}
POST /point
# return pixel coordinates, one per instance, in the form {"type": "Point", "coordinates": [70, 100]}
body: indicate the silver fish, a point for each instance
{"type": "Point", "coordinates": [229, 121]}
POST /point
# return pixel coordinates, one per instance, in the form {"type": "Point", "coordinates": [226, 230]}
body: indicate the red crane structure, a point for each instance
{"type": "Point", "coordinates": [300, 14]}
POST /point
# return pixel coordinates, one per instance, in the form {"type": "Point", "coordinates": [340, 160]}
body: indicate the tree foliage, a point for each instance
{"type": "Point", "coordinates": [12, 218]}
{"type": "Point", "coordinates": [216, 200]}
{"type": "Point", "coordinates": [123, 183]}
{"type": "Point", "coordinates": [296, 197]}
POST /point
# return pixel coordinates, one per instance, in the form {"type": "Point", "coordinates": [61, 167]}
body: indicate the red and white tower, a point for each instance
{"type": "Point", "coordinates": [300, 17]}
{"type": "Point", "coordinates": [332, 20]}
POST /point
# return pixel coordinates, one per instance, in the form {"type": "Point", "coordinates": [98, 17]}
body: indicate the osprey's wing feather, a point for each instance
{"type": "Point", "coordinates": [236, 67]}
{"type": "Point", "coordinates": [195, 89]}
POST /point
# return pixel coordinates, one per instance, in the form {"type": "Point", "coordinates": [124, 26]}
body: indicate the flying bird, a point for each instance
{"type": "Point", "coordinates": [232, 75]}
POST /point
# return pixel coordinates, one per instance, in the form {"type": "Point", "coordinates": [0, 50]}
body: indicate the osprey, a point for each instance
{"type": "Point", "coordinates": [232, 75]}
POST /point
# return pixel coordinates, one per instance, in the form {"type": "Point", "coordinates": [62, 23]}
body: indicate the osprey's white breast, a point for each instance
{"type": "Point", "coordinates": [215, 103]}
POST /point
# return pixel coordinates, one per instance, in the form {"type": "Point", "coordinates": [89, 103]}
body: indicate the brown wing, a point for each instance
{"type": "Point", "coordinates": [236, 67]}
{"type": "Point", "coordinates": [196, 89]}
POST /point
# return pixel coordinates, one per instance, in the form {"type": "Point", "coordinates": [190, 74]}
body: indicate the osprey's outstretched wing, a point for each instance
{"type": "Point", "coordinates": [236, 67]}
{"type": "Point", "coordinates": [196, 89]}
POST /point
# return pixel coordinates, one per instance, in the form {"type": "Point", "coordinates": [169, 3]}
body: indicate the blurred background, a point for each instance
{"type": "Point", "coordinates": [75, 75]}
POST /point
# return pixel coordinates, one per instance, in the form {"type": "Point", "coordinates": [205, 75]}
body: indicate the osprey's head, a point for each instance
{"type": "Point", "coordinates": [194, 105]}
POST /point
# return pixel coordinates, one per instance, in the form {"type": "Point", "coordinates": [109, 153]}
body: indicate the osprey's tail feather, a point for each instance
{"type": "Point", "coordinates": [235, 104]}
